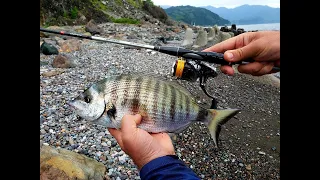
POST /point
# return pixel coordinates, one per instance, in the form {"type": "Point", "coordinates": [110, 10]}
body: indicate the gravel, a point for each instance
{"type": "Point", "coordinates": [249, 143]}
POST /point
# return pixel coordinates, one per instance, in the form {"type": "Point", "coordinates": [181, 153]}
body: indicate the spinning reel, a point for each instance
{"type": "Point", "coordinates": [194, 70]}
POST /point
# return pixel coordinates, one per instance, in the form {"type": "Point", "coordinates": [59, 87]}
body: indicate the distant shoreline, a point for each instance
{"type": "Point", "coordinates": [259, 27]}
{"type": "Point", "coordinates": [253, 27]}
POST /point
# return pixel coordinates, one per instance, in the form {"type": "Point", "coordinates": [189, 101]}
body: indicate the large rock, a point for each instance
{"type": "Point", "coordinates": [233, 27]}
{"type": "Point", "coordinates": [62, 164]}
{"type": "Point", "coordinates": [225, 36]}
{"type": "Point", "coordinates": [61, 61]}
{"type": "Point", "coordinates": [188, 37]}
{"type": "Point", "coordinates": [225, 29]}
{"type": "Point", "coordinates": [231, 34]}
{"type": "Point", "coordinates": [48, 49]}
{"type": "Point", "coordinates": [201, 39]}
{"type": "Point", "coordinates": [216, 29]}
{"type": "Point", "coordinates": [211, 34]}
{"type": "Point", "coordinates": [69, 45]}
{"type": "Point", "coordinates": [221, 36]}
{"type": "Point", "coordinates": [93, 28]}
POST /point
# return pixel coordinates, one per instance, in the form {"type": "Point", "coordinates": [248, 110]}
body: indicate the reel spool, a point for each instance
{"type": "Point", "coordinates": [186, 70]}
{"type": "Point", "coordinates": [192, 70]}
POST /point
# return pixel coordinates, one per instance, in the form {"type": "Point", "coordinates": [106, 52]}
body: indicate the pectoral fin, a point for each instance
{"type": "Point", "coordinates": [111, 111]}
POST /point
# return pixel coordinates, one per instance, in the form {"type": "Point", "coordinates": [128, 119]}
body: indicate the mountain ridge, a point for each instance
{"type": "Point", "coordinates": [196, 15]}
{"type": "Point", "coordinates": [245, 14]}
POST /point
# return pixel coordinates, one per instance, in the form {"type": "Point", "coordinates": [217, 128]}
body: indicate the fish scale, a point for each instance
{"type": "Point", "coordinates": [146, 91]}
{"type": "Point", "coordinates": [164, 106]}
{"type": "Point", "coordinates": [143, 98]}
{"type": "Point", "coordinates": [155, 105]}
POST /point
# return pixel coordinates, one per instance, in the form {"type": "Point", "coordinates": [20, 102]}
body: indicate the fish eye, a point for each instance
{"type": "Point", "coordinates": [87, 99]}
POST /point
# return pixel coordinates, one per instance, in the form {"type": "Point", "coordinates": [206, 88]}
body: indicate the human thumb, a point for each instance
{"type": "Point", "coordinates": [129, 124]}
{"type": "Point", "coordinates": [246, 52]}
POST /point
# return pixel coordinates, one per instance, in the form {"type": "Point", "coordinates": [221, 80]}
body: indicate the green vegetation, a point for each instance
{"type": "Point", "coordinates": [156, 11]}
{"type": "Point", "coordinates": [119, 2]}
{"type": "Point", "coordinates": [197, 15]}
{"type": "Point", "coordinates": [74, 12]}
{"type": "Point", "coordinates": [126, 21]}
{"type": "Point", "coordinates": [68, 12]}
{"type": "Point", "coordinates": [134, 3]}
{"type": "Point", "coordinates": [65, 12]}
{"type": "Point", "coordinates": [98, 4]}
{"type": "Point", "coordinates": [149, 2]}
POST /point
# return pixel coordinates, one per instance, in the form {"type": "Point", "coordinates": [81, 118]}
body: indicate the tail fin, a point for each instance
{"type": "Point", "coordinates": [219, 117]}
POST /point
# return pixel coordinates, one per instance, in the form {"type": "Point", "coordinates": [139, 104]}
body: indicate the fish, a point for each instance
{"type": "Point", "coordinates": [165, 106]}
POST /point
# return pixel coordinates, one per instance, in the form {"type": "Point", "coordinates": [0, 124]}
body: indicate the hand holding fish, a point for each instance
{"type": "Point", "coordinates": [141, 146]}
{"type": "Point", "coordinates": [261, 46]}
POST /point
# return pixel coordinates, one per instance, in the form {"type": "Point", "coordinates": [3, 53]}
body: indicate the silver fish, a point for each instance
{"type": "Point", "coordinates": [164, 106]}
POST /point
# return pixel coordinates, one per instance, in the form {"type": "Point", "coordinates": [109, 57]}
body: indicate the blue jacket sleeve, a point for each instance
{"type": "Point", "coordinates": [167, 167]}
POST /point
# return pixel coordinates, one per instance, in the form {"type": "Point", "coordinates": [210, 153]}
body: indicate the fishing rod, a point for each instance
{"type": "Point", "coordinates": [211, 57]}
{"type": "Point", "coordinates": [191, 65]}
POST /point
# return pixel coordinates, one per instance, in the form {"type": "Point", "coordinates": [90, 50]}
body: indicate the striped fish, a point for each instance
{"type": "Point", "coordinates": [164, 106]}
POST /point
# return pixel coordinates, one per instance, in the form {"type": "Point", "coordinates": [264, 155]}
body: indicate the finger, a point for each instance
{"type": "Point", "coordinates": [266, 69]}
{"type": "Point", "coordinates": [223, 46]}
{"type": "Point", "coordinates": [227, 70]}
{"type": "Point", "coordinates": [117, 135]}
{"type": "Point", "coordinates": [114, 132]}
{"type": "Point", "coordinates": [250, 68]}
{"type": "Point", "coordinates": [129, 123]}
{"type": "Point", "coordinates": [129, 128]}
{"type": "Point", "coordinates": [242, 53]}
{"type": "Point", "coordinates": [232, 43]}
{"type": "Point", "coordinates": [253, 68]}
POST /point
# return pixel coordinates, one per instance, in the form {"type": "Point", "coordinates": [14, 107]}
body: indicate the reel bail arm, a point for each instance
{"type": "Point", "coordinates": [203, 80]}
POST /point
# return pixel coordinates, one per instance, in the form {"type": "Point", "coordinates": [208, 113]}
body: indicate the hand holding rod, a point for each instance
{"type": "Point", "coordinates": [211, 57]}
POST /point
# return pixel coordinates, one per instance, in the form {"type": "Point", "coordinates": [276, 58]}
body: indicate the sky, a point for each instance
{"type": "Point", "coordinates": [218, 3]}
